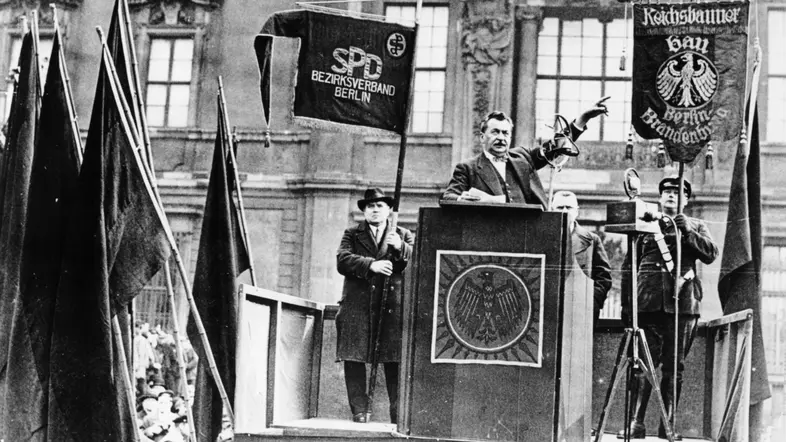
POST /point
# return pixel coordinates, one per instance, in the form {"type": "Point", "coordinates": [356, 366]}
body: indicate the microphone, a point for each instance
{"type": "Point", "coordinates": [652, 216]}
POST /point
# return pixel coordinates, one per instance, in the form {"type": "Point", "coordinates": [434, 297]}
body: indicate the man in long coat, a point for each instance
{"type": "Point", "coordinates": [370, 253]}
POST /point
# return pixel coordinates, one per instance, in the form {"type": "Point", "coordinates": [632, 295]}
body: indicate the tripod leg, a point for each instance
{"type": "Point", "coordinates": [649, 371]}
{"type": "Point", "coordinates": [619, 367]}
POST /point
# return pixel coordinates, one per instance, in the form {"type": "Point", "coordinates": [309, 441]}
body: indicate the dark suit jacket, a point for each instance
{"type": "Point", "coordinates": [478, 172]}
{"type": "Point", "coordinates": [596, 266]}
{"type": "Point", "coordinates": [358, 312]}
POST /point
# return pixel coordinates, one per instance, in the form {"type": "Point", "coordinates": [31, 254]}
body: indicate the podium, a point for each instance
{"type": "Point", "coordinates": [497, 341]}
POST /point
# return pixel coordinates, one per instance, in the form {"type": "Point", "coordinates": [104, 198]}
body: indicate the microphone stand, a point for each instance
{"type": "Point", "coordinates": [629, 359]}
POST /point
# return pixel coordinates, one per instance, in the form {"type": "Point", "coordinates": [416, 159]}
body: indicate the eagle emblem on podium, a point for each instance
{"type": "Point", "coordinates": [488, 308]}
{"type": "Point", "coordinates": [488, 312]}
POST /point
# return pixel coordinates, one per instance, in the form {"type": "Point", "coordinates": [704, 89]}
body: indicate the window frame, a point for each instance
{"type": "Point", "coordinates": [604, 16]}
{"type": "Point", "coordinates": [144, 41]}
{"type": "Point", "coordinates": [7, 45]}
{"type": "Point", "coordinates": [447, 70]}
{"type": "Point", "coordinates": [764, 92]}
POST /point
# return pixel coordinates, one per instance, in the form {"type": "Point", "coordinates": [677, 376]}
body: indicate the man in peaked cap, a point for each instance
{"type": "Point", "coordinates": [370, 252]}
{"type": "Point", "coordinates": [656, 298]}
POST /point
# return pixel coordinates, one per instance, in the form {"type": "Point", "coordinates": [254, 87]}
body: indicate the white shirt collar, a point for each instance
{"type": "Point", "coordinates": [499, 165]}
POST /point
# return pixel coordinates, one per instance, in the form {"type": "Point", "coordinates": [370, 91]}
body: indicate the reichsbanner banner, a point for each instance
{"type": "Point", "coordinates": [689, 70]}
{"type": "Point", "coordinates": [353, 73]}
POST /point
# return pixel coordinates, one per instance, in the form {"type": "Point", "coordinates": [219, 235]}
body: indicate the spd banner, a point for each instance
{"type": "Point", "coordinates": [689, 70]}
{"type": "Point", "coordinates": [353, 73]}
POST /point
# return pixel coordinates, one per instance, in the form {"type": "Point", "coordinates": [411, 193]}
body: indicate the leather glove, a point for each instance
{"type": "Point", "coordinates": [682, 222]}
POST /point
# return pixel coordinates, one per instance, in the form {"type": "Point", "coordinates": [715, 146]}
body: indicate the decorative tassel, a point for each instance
{"type": "Point", "coordinates": [267, 138]}
{"type": "Point", "coordinates": [623, 60]}
{"type": "Point", "coordinates": [709, 156]}
{"type": "Point", "coordinates": [661, 155]}
{"type": "Point", "coordinates": [629, 146]}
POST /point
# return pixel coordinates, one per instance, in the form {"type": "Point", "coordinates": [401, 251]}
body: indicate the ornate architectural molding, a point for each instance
{"type": "Point", "coordinates": [40, 5]}
{"type": "Point", "coordinates": [487, 31]}
{"type": "Point", "coordinates": [205, 3]}
{"type": "Point", "coordinates": [174, 12]}
{"type": "Point", "coordinates": [529, 13]}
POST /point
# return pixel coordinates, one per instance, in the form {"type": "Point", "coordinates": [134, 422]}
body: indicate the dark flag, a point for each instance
{"type": "Point", "coordinates": [115, 244]}
{"type": "Point", "coordinates": [54, 173]}
{"type": "Point", "coordinates": [19, 162]}
{"type": "Point", "coordinates": [117, 40]}
{"type": "Point", "coordinates": [353, 73]}
{"type": "Point", "coordinates": [118, 43]}
{"type": "Point", "coordinates": [689, 70]}
{"type": "Point", "coordinates": [739, 286]}
{"type": "Point", "coordinates": [222, 257]}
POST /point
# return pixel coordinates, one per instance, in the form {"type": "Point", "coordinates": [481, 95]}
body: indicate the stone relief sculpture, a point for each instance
{"type": "Point", "coordinates": [487, 29]}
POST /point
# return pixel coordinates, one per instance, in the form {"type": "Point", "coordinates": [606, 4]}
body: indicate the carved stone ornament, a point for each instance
{"type": "Point", "coordinates": [174, 12]}
{"type": "Point", "coordinates": [40, 5]}
{"type": "Point", "coordinates": [487, 31]}
{"type": "Point", "coordinates": [22, 8]}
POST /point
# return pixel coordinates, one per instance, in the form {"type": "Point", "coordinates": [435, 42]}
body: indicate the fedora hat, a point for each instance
{"type": "Point", "coordinates": [374, 194]}
{"type": "Point", "coordinates": [673, 182]}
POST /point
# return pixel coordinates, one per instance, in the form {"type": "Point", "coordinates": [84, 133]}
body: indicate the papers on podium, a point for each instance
{"type": "Point", "coordinates": [486, 197]}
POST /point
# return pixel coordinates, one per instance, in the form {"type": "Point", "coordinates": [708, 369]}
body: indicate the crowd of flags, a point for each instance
{"type": "Point", "coordinates": [82, 232]}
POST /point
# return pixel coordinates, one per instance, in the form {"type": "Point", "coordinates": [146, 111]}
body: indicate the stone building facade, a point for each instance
{"type": "Point", "coordinates": [530, 58]}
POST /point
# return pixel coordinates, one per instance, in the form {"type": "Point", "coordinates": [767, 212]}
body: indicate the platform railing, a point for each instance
{"type": "Point", "coordinates": [729, 341]}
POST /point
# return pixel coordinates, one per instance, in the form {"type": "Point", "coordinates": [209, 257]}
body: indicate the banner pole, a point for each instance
{"type": "Point", "coordinates": [240, 208]}
{"type": "Point", "coordinates": [394, 216]}
{"type": "Point", "coordinates": [69, 96]}
{"type": "Point", "coordinates": [124, 373]}
{"type": "Point", "coordinates": [36, 46]}
{"type": "Point", "coordinates": [179, 352]}
{"type": "Point", "coordinates": [156, 200]}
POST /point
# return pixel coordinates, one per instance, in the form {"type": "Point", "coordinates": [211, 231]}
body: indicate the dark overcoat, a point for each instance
{"type": "Point", "coordinates": [656, 283]}
{"type": "Point", "coordinates": [595, 265]}
{"type": "Point", "coordinates": [358, 313]}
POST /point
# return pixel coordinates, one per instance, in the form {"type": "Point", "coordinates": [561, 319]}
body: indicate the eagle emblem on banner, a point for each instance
{"type": "Point", "coordinates": [488, 308]}
{"type": "Point", "coordinates": [687, 80]}
{"type": "Point", "coordinates": [689, 73]}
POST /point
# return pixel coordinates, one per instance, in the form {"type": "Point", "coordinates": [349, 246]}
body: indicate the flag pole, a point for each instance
{"type": "Point", "coordinates": [139, 102]}
{"type": "Point", "coordinates": [69, 96]}
{"type": "Point", "coordinates": [34, 31]}
{"type": "Point", "coordinates": [240, 209]}
{"type": "Point", "coordinates": [179, 350]}
{"type": "Point", "coordinates": [402, 151]}
{"type": "Point", "coordinates": [156, 200]}
{"type": "Point", "coordinates": [124, 373]}
{"type": "Point", "coordinates": [145, 133]}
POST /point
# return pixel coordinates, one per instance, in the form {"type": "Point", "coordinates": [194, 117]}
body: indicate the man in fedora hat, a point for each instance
{"type": "Point", "coordinates": [512, 172]}
{"type": "Point", "coordinates": [370, 252]}
{"type": "Point", "coordinates": [656, 297]}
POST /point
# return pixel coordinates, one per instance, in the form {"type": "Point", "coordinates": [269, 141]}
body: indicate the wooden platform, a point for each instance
{"type": "Point", "coordinates": [319, 429]}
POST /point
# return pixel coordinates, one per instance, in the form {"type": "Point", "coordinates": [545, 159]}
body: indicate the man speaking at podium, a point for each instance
{"type": "Point", "coordinates": [508, 175]}
{"type": "Point", "coordinates": [656, 298]}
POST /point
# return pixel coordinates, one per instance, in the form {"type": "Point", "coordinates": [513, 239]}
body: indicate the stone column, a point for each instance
{"type": "Point", "coordinates": [529, 20]}
{"type": "Point", "coordinates": [486, 39]}
{"type": "Point", "coordinates": [329, 180]}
